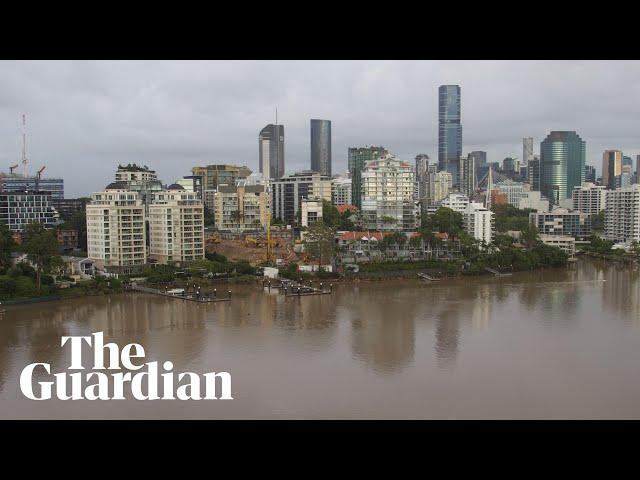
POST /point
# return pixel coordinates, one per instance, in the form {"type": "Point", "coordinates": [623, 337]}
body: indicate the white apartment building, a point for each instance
{"type": "Point", "coordinates": [622, 214]}
{"type": "Point", "coordinates": [561, 221]}
{"type": "Point", "coordinates": [563, 242]}
{"type": "Point", "coordinates": [513, 190]}
{"type": "Point", "coordinates": [589, 198]}
{"type": "Point", "coordinates": [116, 228]}
{"type": "Point", "coordinates": [176, 226]}
{"type": "Point", "coordinates": [457, 202]}
{"type": "Point", "coordinates": [478, 222]}
{"type": "Point", "coordinates": [341, 191]}
{"type": "Point", "coordinates": [533, 200]}
{"type": "Point", "coordinates": [311, 212]}
{"type": "Point", "coordinates": [387, 195]}
{"type": "Point", "coordinates": [242, 207]}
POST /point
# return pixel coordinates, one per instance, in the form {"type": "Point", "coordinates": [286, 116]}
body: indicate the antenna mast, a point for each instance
{"type": "Point", "coordinates": [24, 144]}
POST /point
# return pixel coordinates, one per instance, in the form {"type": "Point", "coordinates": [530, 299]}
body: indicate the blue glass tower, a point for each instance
{"type": "Point", "coordinates": [449, 130]}
{"type": "Point", "coordinates": [562, 161]}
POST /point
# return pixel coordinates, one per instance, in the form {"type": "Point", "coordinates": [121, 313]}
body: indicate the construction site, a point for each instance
{"type": "Point", "coordinates": [255, 249]}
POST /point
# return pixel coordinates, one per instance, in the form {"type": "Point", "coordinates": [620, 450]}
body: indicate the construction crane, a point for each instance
{"type": "Point", "coordinates": [24, 145]}
{"type": "Point", "coordinates": [12, 168]}
{"type": "Point", "coordinates": [38, 176]}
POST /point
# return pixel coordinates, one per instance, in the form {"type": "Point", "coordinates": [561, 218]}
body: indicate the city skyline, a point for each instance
{"type": "Point", "coordinates": [90, 116]}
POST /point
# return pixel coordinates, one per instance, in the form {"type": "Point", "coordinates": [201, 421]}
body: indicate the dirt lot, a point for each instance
{"type": "Point", "coordinates": [236, 250]}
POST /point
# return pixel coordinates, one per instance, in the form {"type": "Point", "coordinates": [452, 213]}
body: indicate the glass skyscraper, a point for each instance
{"type": "Point", "coordinates": [562, 161]}
{"type": "Point", "coordinates": [271, 151]}
{"type": "Point", "coordinates": [449, 130]}
{"type": "Point", "coordinates": [321, 146]}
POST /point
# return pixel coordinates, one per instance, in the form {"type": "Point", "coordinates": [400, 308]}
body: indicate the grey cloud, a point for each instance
{"type": "Point", "coordinates": [85, 117]}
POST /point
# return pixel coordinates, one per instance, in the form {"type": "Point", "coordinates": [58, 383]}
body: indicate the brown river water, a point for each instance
{"type": "Point", "coordinates": [552, 344]}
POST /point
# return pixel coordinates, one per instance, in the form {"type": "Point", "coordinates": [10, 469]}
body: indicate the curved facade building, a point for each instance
{"type": "Point", "coordinates": [562, 160]}
{"type": "Point", "coordinates": [271, 151]}
{"type": "Point", "coordinates": [449, 130]}
{"type": "Point", "coordinates": [321, 146]}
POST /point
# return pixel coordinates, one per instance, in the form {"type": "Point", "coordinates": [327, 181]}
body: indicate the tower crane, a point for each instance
{"type": "Point", "coordinates": [38, 176]}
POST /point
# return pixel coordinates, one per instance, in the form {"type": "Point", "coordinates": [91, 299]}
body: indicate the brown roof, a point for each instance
{"type": "Point", "coordinates": [343, 208]}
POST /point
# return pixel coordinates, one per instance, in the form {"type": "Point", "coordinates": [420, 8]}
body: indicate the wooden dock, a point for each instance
{"type": "Point", "coordinates": [424, 276]}
{"type": "Point", "coordinates": [202, 298]}
{"type": "Point", "coordinates": [497, 273]}
{"type": "Point", "coordinates": [291, 288]}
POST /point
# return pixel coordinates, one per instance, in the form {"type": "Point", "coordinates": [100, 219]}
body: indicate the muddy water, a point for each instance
{"type": "Point", "coordinates": [554, 344]}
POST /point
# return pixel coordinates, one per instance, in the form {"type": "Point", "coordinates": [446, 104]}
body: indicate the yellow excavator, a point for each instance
{"type": "Point", "coordinates": [214, 238]}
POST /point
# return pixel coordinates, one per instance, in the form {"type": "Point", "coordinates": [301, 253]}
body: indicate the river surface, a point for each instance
{"type": "Point", "coordinates": [551, 344]}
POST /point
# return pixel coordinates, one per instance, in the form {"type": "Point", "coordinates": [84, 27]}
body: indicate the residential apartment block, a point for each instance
{"type": "Point", "coordinates": [176, 226]}
{"type": "Point", "coordinates": [287, 193]}
{"type": "Point", "coordinates": [116, 228]}
{"type": "Point", "coordinates": [241, 207]}
{"type": "Point", "coordinates": [387, 195]}
{"type": "Point", "coordinates": [589, 198]}
{"type": "Point", "coordinates": [561, 221]}
{"type": "Point", "coordinates": [622, 214]}
{"type": "Point", "coordinates": [341, 191]}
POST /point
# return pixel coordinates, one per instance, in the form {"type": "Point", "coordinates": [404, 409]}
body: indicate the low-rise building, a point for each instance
{"type": "Point", "coordinates": [67, 239]}
{"type": "Point", "coordinates": [533, 200]}
{"type": "Point", "coordinates": [561, 221]}
{"type": "Point", "coordinates": [565, 243]}
{"type": "Point", "coordinates": [311, 212]}
{"type": "Point", "coordinates": [80, 267]}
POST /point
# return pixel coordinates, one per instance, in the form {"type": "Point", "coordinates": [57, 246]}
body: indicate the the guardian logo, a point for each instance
{"type": "Point", "coordinates": [99, 385]}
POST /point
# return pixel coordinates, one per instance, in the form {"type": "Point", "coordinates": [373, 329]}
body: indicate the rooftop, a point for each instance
{"type": "Point", "coordinates": [132, 167]}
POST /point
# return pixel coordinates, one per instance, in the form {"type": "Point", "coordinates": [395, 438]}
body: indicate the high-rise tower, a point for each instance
{"type": "Point", "coordinates": [321, 146]}
{"type": "Point", "coordinates": [449, 130]}
{"type": "Point", "coordinates": [271, 151]}
{"type": "Point", "coordinates": [562, 160]}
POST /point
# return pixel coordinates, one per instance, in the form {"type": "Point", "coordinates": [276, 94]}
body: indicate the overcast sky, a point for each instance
{"type": "Point", "coordinates": [85, 117]}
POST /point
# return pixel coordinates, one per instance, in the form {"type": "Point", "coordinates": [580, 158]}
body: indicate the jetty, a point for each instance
{"type": "Point", "coordinates": [291, 288]}
{"type": "Point", "coordinates": [425, 276]}
{"type": "Point", "coordinates": [196, 296]}
{"type": "Point", "coordinates": [497, 273]}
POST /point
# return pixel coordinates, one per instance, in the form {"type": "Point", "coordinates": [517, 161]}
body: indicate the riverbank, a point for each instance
{"type": "Point", "coordinates": [616, 258]}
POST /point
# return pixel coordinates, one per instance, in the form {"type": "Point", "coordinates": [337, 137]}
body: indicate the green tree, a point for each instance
{"type": "Point", "coordinates": [597, 222]}
{"type": "Point", "coordinates": [320, 242]}
{"type": "Point", "coordinates": [330, 214]}
{"type": "Point", "coordinates": [507, 217]}
{"type": "Point", "coordinates": [42, 250]}
{"type": "Point", "coordinates": [445, 220]}
{"type": "Point", "coordinates": [7, 244]}
{"type": "Point", "coordinates": [529, 235]}
{"type": "Point", "coordinates": [209, 218]}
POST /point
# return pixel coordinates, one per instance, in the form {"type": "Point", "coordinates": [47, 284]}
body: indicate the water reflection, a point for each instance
{"type": "Point", "coordinates": [374, 339]}
{"type": "Point", "coordinates": [383, 327]}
